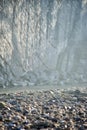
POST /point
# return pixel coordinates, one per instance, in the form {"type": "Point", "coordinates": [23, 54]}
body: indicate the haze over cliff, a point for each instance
{"type": "Point", "coordinates": [43, 42]}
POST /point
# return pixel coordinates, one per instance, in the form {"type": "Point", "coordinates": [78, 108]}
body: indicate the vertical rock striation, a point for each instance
{"type": "Point", "coordinates": [43, 42]}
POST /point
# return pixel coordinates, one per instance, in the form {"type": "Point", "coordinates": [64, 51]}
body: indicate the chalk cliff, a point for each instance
{"type": "Point", "coordinates": [43, 42]}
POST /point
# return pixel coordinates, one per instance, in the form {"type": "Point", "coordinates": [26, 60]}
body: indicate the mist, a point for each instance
{"type": "Point", "coordinates": [43, 42]}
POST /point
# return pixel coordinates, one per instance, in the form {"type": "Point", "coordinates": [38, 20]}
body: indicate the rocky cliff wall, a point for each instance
{"type": "Point", "coordinates": [43, 42]}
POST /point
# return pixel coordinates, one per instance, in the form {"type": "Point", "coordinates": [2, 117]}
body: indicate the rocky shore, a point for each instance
{"type": "Point", "coordinates": [46, 110]}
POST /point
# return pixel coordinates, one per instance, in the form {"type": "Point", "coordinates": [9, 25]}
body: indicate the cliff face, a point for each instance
{"type": "Point", "coordinates": [43, 42]}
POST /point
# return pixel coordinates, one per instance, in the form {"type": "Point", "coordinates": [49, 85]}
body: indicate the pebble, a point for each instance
{"type": "Point", "coordinates": [1, 118]}
{"type": "Point", "coordinates": [51, 110]}
{"type": "Point", "coordinates": [85, 125]}
{"type": "Point", "coordinates": [2, 105]}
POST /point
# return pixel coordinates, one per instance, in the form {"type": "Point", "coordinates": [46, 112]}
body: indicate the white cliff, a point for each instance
{"type": "Point", "coordinates": [43, 42]}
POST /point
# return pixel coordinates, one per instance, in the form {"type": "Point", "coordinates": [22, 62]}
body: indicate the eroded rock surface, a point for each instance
{"type": "Point", "coordinates": [43, 42]}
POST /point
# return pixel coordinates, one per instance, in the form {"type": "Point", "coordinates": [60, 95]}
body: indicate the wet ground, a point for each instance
{"type": "Point", "coordinates": [42, 88]}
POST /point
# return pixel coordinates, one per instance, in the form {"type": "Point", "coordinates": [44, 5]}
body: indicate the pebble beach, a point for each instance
{"type": "Point", "coordinates": [57, 109]}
